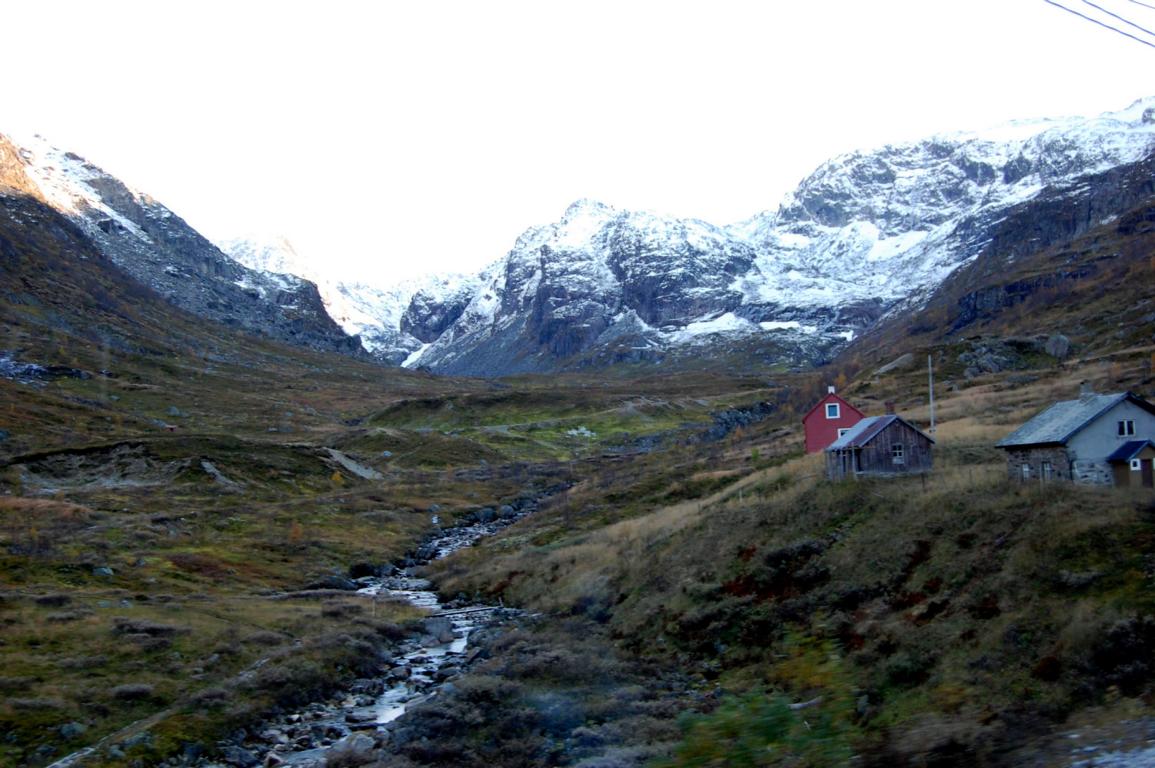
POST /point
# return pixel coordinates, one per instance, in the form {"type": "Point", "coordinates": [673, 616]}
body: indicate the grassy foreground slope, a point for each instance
{"type": "Point", "coordinates": [953, 619]}
{"type": "Point", "coordinates": [165, 487]}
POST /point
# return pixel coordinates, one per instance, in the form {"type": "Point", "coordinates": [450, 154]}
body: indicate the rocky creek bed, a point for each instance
{"type": "Point", "coordinates": [360, 717]}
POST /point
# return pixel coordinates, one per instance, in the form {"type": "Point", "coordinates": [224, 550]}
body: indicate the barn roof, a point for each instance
{"type": "Point", "coordinates": [1128, 450]}
{"type": "Point", "coordinates": [1061, 421]}
{"type": "Point", "coordinates": [868, 429]}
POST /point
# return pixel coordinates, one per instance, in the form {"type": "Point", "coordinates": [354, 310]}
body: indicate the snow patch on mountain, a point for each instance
{"type": "Point", "coordinates": [373, 312]}
{"type": "Point", "coordinates": [65, 181]}
{"type": "Point", "coordinates": [886, 223]}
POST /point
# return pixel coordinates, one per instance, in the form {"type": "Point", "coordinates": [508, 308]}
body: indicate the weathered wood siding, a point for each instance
{"type": "Point", "coordinates": [877, 456]}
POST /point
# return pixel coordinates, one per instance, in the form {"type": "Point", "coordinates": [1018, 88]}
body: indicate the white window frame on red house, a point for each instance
{"type": "Point", "coordinates": [1136, 465]}
{"type": "Point", "coordinates": [843, 430]}
{"type": "Point", "coordinates": [833, 411]}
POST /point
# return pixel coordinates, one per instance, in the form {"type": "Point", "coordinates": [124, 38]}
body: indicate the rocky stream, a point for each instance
{"type": "Point", "coordinates": [361, 717]}
{"type": "Point", "coordinates": [355, 720]}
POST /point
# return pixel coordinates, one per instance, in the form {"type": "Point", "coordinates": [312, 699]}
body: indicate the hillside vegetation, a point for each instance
{"type": "Point", "coordinates": [952, 619]}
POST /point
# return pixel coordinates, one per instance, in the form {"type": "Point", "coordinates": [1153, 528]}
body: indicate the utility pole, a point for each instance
{"type": "Point", "coordinates": [930, 377]}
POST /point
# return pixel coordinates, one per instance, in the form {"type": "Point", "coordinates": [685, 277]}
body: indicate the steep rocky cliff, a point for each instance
{"type": "Point", "coordinates": [156, 247]}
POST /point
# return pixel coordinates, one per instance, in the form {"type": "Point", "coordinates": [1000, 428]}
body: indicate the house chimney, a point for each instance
{"type": "Point", "coordinates": [889, 407]}
{"type": "Point", "coordinates": [830, 390]}
{"type": "Point", "coordinates": [1085, 389]}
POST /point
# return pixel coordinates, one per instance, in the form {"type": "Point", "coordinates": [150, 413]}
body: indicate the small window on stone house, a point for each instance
{"type": "Point", "coordinates": [898, 454]}
{"type": "Point", "coordinates": [832, 411]}
{"type": "Point", "coordinates": [1026, 470]}
{"type": "Point", "coordinates": [1126, 428]}
{"type": "Point", "coordinates": [1047, 470]}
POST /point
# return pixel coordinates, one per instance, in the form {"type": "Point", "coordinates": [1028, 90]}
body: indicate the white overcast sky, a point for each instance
{"type": "Point", "coordinates": [390, 138]}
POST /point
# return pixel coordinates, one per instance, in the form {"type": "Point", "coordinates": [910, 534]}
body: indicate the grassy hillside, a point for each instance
{"type": "Point", "coordinates": [953, 619]}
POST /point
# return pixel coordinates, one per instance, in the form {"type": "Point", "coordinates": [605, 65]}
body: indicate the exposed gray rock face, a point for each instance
{"type": "Point", "coordinates": [1058, 346]}
{"type": "Point", "coordinates": [431, 312]}
{"type": "Point", "coordinates": [159, 249]}
{"type": "Point", "coordinates": [866, 233]}
{"type": "Point", "coordinates": [596, 276]}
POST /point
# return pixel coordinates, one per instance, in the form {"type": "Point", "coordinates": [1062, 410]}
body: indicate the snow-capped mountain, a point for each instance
{"type": "Point", "coordinates": [388, 319]}
{"type": "Point", "coordinates": [864, 233]}
{"type": "Point", "coordinates": [896, 221]}
{"type": "Point", "coordinates": [157, 248]}
{"type": "Point", "coordinates": [867, 233]}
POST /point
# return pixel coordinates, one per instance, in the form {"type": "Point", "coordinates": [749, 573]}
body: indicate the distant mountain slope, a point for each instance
{"type": "Point", "coordinates": [868, 235]}
{"type": "Point", "coordinates": [157, 248]}
{"type": "Point", "coordinates": [1075, 262]}
{"type": "Point", "coordinates": [391, 321]}
{"type": "Point", "coordinates": [58, 289]}
{"type": "Point", "coordinates": [867, 232]}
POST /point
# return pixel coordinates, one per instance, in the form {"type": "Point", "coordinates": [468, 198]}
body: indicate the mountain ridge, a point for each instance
{"type": "Point", "coordinates": [870, 232]}
{"type": "Point", "coordinates": [160, 250]}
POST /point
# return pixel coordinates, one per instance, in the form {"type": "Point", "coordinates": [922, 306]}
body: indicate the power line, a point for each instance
{"type": "Point", "coordinates": [1145, 5]}
{"type": "Point", "coordinates": [1120, 18]}
{"type": "Point", "coordinates": [1101, 23]}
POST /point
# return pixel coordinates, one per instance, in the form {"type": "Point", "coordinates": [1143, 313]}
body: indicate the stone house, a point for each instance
{"type": "Point", "coordinates": [880, 445]}
{"type": "Point", "coordinates": [1080, 440]}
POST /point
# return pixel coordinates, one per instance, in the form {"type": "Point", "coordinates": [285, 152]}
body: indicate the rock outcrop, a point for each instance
{"type": "Point", "coordinates": [160, 250]}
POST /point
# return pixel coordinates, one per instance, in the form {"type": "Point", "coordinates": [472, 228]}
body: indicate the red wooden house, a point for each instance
{"type": "Point", "coordinates": [829, 420]}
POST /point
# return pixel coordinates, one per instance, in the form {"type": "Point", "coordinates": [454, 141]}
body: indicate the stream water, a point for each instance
{"type": "Point", "coordinates": [422, 666]}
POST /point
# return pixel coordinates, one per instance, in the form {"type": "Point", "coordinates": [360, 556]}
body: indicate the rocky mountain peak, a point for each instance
{"type": "Point", "coordinates": [866, 230]}
{"type": "Point", "coordinates": [156, 247]}
{"type": "Point", "coordinates": [586, 206]}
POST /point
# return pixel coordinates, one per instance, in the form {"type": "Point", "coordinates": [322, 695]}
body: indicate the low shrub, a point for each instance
{"type": "Point", "coordinates": [760, 729]}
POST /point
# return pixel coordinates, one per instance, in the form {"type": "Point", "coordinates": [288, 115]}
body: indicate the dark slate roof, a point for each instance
{"type": "Point", "coordinates": [1062, 420]}
{"type": "Point", "coordinates": [1128, 450]}
{"type": "Point", "coordinates": [869, 428]}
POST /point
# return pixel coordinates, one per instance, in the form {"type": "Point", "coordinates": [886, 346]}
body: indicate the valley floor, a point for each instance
{"type": "Point", "coordinates": [693, 591]}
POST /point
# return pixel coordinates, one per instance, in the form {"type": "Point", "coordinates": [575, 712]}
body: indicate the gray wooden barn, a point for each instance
{"type": "Point", "coordinates": [1083, 441]}
{"type": "Point", "coordinates": [880, 445]}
